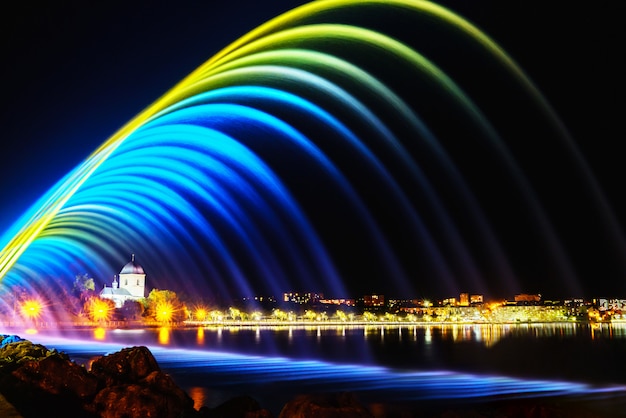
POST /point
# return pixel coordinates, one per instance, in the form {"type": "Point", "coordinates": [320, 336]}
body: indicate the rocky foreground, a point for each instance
{"type": "Point", "coordinates": [39, 382]}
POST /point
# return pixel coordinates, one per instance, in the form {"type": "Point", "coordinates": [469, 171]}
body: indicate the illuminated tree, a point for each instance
{"type": "Point", "coordinates": [390, 317]}
{"type": "Point", "coordinates": [164, 312]}
{"type": "Point", "coordinates": [310, 315]}
{"type": "Point", "coordinates": [84, 287]}
{"type": "Point", "coordinates": [341, 315]}
{"type": "Point", "coordinates": [186, 311]}
{"type": "Point", "coordinates": [216, 315]}
{"type": "Point", "coordinates": [98, 309]}
{"type": "Point", "coordinates": [235, 314]}
{"type": "Point", "coordinates": [131, 309]}
{"type": "Point", "coordinates": [164, 306]}
{"type": "Point", "coordinates": [369, 316]}
{"type": "Point", "coordinates": [200, 313]}
{"type": "Point", "coordinates": [279, 315]}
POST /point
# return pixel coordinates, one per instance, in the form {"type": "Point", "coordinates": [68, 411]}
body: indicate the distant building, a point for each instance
{"type": "Point", "coordinates": [406, 305]}
{"type": "Point", "coordinates": [476, 299]}
{"type": "Point", "coordinates": [130, 284]}
{"type": "Point", "coordinates": [307, 298]}
{"type": "Point", "coordinates": [341, 301]}
{"type": "Point", "coordinates": [374, 301]}
{"type": "Point", "coordinates": [526, 298]}
{"type": "Point", "coordinates": [610, 304]}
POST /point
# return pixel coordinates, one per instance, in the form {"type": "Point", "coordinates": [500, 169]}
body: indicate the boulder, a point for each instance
{"type": "Point", "coordinates": [17, 351]}
{"type": "Point", "coordinates": [341, 405]}
{"type": "Point", "coordinates": [7, 339]}
{"type": "Point", "coordinates": [161, 383]}
{"type": "Point", "coordinates": [51, 386]}
{"type": "Point", "coordinates": [128, 365]}
{"type": "Point", "coordinates": [133, 385]}
{"type": "Point", "coordinates": [156, 396]}
{"type": "Point", "coordinates": [129, 383]}
{"type": "Point", "coordinates": [58, 376]}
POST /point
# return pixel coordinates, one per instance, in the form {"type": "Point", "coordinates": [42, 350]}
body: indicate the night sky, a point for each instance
{"type": "Point", "coordinates": [74, 72]}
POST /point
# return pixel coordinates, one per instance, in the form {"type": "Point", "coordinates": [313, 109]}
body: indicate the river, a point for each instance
{"type": "Point", "coordinates": [382, 363]}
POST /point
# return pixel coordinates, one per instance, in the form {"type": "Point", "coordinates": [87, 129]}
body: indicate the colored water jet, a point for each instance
{"type": "Point", "coordinates": [311, 153]}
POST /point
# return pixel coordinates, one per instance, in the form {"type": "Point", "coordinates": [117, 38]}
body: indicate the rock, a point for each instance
{"type": "Point", "coordinates": [127, 401]}
{"type": "Point", "coordinates": [7, 339]}
{"type": "Point", "coordinates": [134, 386]}
{"type": "Point", "coordinates": [44, 383]}
{"type": "Point", "coordinates": [237, 407]}
{"type": "Point", "coordinates": [58, 376]}
{"type": "Point", "coordinates": [41, 382]}
{"type": "Point", "coordinates": [156, 396]}
{"type": "Point", "coordinates": [163, 384]}
{"type": "Point", "coordinates": [51, 386]}
{"type": "Point", "coordinates": [342, 405]}
{"type": "Point", "coordinates": [14, 353]}
{"type": "Point", "coordinates": [128, 365]}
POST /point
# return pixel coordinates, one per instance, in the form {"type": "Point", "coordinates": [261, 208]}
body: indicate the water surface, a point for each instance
{"type": "Point", "coordinates": [398, 363]}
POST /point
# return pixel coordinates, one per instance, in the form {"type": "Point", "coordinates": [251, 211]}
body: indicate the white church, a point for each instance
{"type": "Point", "coordinates": [130, 284]}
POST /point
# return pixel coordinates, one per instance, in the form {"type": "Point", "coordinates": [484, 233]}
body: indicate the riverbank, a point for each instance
{"type": "Point", "coordinates": [47, 325]}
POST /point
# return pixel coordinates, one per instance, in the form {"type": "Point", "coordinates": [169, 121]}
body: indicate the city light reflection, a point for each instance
{"type": "Point", "coordinates": [99, 334]}
{"type": "Point", "coordinates": [164, 335]}
{"type": "Point", "coordinates": [230, 369]}
{"type": "Point", "coordinates": [198, 395]}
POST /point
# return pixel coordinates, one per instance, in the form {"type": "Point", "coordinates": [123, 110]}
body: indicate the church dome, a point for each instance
{"type": "Point", "coordinates": [132, 267]}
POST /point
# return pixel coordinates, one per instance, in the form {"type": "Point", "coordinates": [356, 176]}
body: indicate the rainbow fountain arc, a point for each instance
{"type": "Point", "coordinates": [333, 143]}
{"type": "Point", "coordinates": [229, 176]}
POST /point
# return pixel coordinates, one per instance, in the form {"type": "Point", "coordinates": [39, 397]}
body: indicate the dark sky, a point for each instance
{"type": "Point", "coordinates": [73, 72]}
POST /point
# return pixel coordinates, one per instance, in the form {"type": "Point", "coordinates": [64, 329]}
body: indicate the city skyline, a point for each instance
{"type": "Point", "coordinates": [75, 77]}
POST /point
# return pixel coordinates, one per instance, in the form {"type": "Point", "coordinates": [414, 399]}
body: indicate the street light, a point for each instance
{"type": "Point", "coordinates": [164, 312]}
{"type": "Point", "coordinates": [31, 308]}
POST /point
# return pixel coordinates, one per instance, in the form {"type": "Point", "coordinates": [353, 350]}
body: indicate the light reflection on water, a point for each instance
{"type": "Point", "coordinates": [408, 362]}
{"type": "Point", "coordinates": [164, 336]}
{"type": "Point", "coordinates": [199, 396]}
{"type": "Point", "coordinates": [99, 334]}
{"type": "Point", "coordinates": [486, 334]}
{"type": "Point", "coordinates": [209, 376]}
